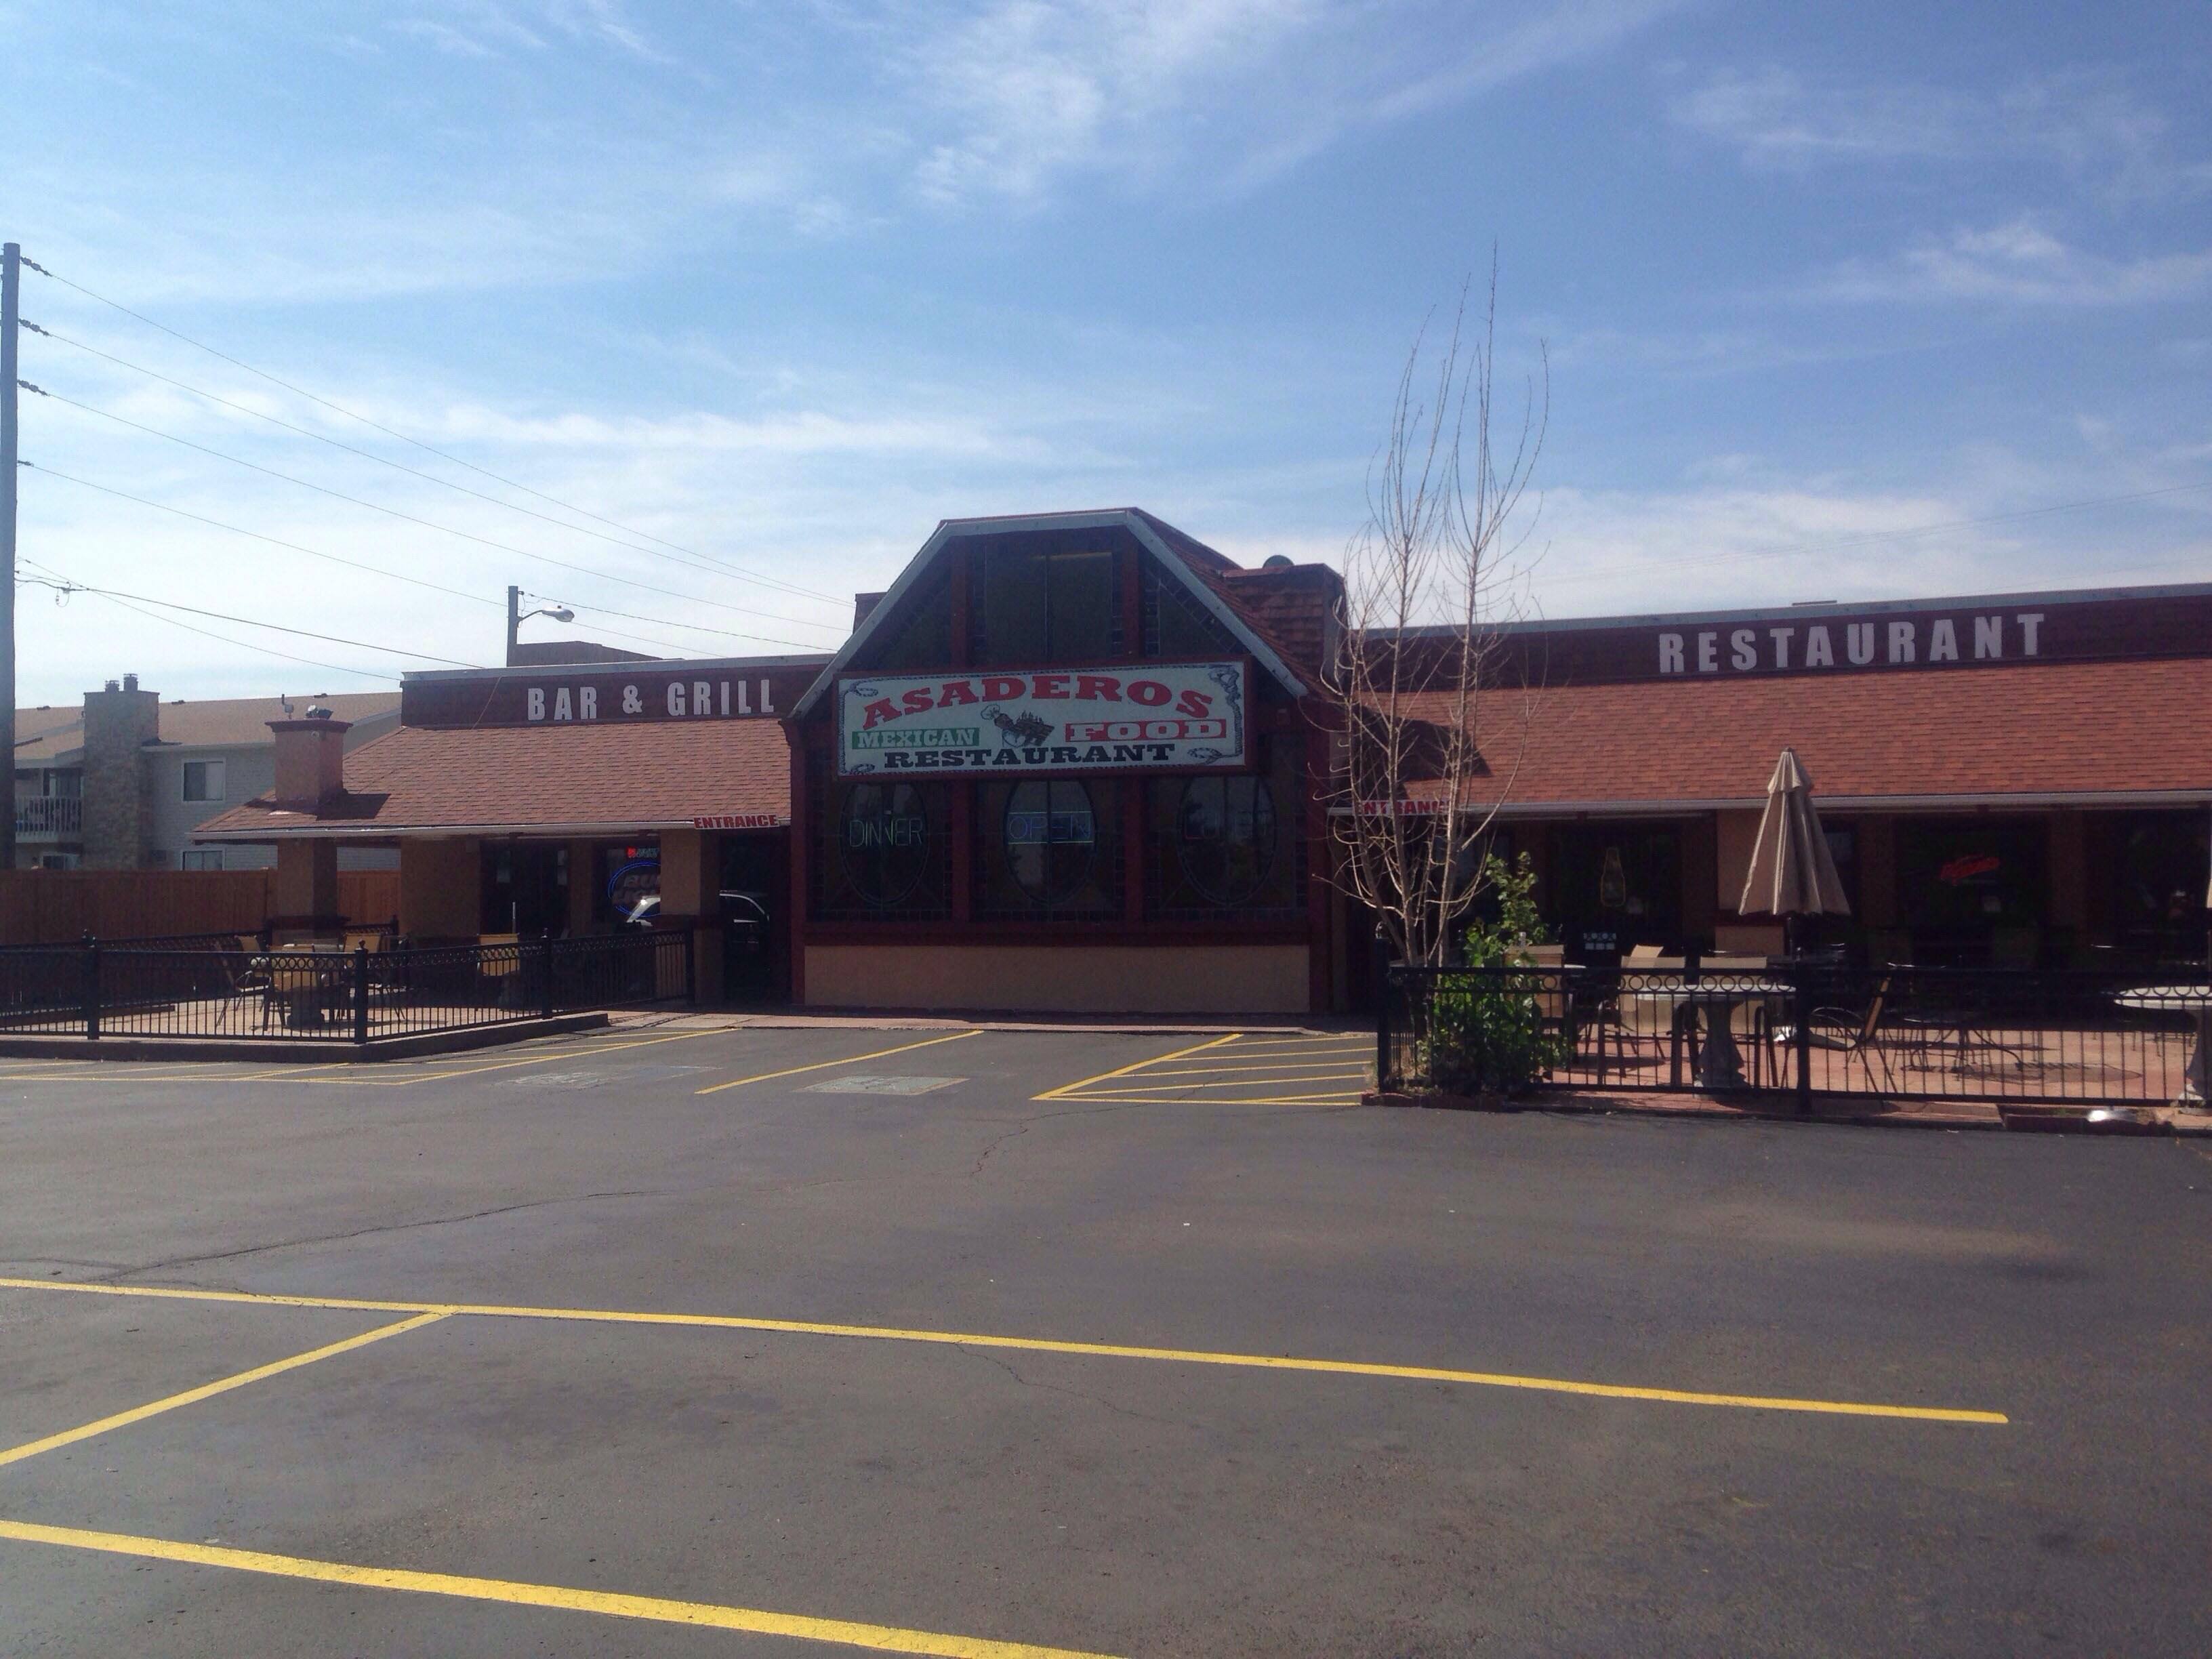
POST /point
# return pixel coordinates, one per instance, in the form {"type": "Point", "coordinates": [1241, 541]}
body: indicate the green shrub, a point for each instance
{"type": "Point", "coordinates": [1485, 1034]}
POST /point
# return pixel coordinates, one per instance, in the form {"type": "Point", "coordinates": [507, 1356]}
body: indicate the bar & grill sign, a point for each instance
{"type": "Point", "coordinates": [1169, 716]}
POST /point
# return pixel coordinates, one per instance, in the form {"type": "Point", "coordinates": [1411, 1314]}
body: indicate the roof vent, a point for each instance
{"type": "Point", "coordinates": [318, 713]}
{"type": "Point", "coordinates": [1277, 562]}
{"type": "Point", "coordinates": [129, 682]}
{"type": "Point", "coordinates": [115, 685]}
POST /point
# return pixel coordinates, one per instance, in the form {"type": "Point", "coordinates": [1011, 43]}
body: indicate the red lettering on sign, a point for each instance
{"type": "Point", "coordinates": [1002, 688]}
{"type": "Point", "coordinates": [1196, 704]}
{"type": "Point", "coordinates": [1051, 685]}
{"type": "Point", "coordinates": [916, 701]}
{"type": "Point", "coordinates": [954, 691]}
{"type": "Point", "coordinates": [1097, 687]}
{"type": "Point", "coordinates": [1150, 693]}
{"type": "Point", "coordinates": [883, 709]}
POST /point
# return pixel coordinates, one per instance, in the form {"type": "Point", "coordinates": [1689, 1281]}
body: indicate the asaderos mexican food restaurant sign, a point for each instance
{"type": "Point", "coordinates": [1184, 716]}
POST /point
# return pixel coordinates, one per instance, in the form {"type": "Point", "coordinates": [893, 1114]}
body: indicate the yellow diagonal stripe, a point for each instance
{"type": "Point", "coordinates": [825, 1064]}
{"type": "Point", "coordinates": [208, 1390]}
{"type": "Point", "coordinates": [1067, 1089]}
{"type": "Point", "coordinates": [882, 1639]}
{"type": "Point", "coordinates": [1050, 1344]}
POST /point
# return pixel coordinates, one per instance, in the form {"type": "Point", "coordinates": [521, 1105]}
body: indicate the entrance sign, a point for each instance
{"type": "Point", "coordinates": [1170, 716]}
{"type": "Point", "coordinates": [741, 820]}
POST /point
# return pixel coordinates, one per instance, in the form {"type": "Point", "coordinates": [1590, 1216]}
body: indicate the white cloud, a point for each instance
{"type": "Point", "coordinates": [2019, 261]}
{"type": "Point", "coordinates": [1017, 95]}
{"type": "Point", "coordinates": [2091, 126]}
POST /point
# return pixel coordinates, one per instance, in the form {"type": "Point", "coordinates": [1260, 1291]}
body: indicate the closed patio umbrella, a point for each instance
{"type": "Point", "coordinates": [1792, 872]}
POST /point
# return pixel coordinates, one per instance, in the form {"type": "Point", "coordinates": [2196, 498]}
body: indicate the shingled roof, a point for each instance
{"type": "Point", "coordinates": [539, 779]}
{"type": "Point", "coordinates": [2104, 730]}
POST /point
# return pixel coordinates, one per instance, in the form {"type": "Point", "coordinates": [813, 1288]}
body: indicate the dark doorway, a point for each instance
{"type": "Point", "coordinates": [525, 887]}
{"type": "Point", "coordinates": [1612, 885]}
{"type": "Point", "coordinates": [756, 921]}
{"type": "Point", "coordinates": [1974, 890]}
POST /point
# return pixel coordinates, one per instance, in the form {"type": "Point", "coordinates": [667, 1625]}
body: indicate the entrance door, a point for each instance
{"type": "Point", "coordinates": [756, 929]}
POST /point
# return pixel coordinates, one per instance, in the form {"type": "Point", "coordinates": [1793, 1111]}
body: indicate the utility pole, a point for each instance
{"type": "Point", "coordinates": [514, 622]}
{"type": "Point", "coordinates": [11, 277]}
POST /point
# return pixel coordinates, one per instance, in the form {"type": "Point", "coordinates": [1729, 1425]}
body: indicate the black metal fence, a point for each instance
{"type": "Point", "coordinates": [373, 991]}
{"type": "Point", "coordinates": [1801, 1028]}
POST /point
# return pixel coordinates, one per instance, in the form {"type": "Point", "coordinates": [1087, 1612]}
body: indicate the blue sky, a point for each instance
{"type": "Point", "coordinates": [785, 283]}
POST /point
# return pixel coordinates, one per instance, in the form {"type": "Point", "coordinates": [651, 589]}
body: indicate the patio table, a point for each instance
{"type": "Point", "coordinates": [1720, 1062]}
{"type": "Point", "coordinates": [2196, 1001]}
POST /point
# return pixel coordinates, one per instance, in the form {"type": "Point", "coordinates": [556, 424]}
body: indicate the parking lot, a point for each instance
{"type": "Point", "coordinates": [690, 1340]}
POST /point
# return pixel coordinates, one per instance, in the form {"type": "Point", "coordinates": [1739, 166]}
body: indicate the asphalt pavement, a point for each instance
{"type": "Point", "coordinates": [987, 1344]}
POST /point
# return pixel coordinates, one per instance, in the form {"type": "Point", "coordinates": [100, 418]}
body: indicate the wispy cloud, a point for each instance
{"type": "Point", "coordinates": [1213, 93]}
{"type": "Point", "coordinates": [2091, 126]}
{"type": "Point", "coordinates": [2022, 262]}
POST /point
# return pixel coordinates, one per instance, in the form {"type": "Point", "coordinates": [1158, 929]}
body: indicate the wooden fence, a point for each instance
{"type": "Point", "coordinates": [48, 907]}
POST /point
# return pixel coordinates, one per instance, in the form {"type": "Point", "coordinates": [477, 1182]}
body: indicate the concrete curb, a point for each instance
{"type": "Point", "coordinates": [325, 1053]}
{"type": "Point", "coordinates": [2070, 1121]}
{"type": "Point", "coordinates": [1611, 1105]}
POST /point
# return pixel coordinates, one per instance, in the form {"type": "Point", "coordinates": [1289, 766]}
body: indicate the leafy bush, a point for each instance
{"type": "Point", "coordinates": [1485, 1033]}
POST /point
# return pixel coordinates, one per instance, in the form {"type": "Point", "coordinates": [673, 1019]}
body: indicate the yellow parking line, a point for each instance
{"type": "Point", "coordinates": [825, 1064]}
{"type": "Point", "coordinates": [1219, 1100]}
{"type": "Point", "coordinates": [883, 1639]}
{"type": "Point", "coordinates": [208, 1390]}
{"type": "Point", "coordinates": [1044, 1345]}
{"type": "Point", "coordinates": [1233, 1083]}
{"type": "Point", "coordinates": [1253, 1065]}
{"type": "Point", "coordinates": [443, 1072]}
{"type": "Point", "coordinates": [1066, 1089]}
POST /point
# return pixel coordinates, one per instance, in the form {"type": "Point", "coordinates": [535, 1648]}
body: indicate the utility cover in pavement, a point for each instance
{"type": "Point", "coordinates": [880, 1085]}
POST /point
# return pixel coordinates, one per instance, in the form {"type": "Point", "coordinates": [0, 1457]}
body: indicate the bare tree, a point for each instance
{"type": "Point", "coordinates": [1434, 716]}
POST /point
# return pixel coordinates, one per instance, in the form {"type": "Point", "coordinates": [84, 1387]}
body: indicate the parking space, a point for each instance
{"type": "Point", "coordinates": [1241, 1069]}
{"type": "Point", "coordinates": [1004, 1343]}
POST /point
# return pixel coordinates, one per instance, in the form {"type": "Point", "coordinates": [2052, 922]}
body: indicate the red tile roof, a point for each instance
{"type": "Point", "coordinates": [633, 774]}
{"type": "Point", "coordinates": [2034, 730]}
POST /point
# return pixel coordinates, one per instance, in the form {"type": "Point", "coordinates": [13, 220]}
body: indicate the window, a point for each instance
{"type": "Point", "coordinates": [203, 859]}
{"type": "Point", "coordinates": [921, 639]}
{"type": "Point", "coordinates": [1175, 624]}
{"type": "Point", "coordinates": [1049, 846]}
{"type": "Point", "coordinates": [1225, 837]}
{"type": "Point", "coordinates": [1221, 846]}
{"type": "Point", "coordinates": [883, 853]}
{"type": "Point", "coordinates": [204, 781]}
{"type": "Point", "coordinates": [1041, 604]}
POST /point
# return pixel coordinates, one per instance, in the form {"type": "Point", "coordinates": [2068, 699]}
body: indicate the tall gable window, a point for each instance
{"type": "Point", "coordinates": [1176, 624]}
{"type": "Point", "coordinates": [921, 639]}
{"type": "Point", "coordinates": [1040, 604]}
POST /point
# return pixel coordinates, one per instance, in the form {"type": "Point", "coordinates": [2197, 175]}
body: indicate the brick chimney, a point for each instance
{"type": "Point", "coordinates": [119, 721]}
{"type": "Point", "coordinates": [310, 776]}
{"type": "Point", "coordinates": [310, 760]}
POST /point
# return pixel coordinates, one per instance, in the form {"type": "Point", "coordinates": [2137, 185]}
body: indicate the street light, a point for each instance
{"type": "Point", "coordinates": [516, 616]}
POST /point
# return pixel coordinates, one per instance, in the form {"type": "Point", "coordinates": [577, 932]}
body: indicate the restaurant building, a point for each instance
{"type": "Point", "coordinates": [1083, 762]}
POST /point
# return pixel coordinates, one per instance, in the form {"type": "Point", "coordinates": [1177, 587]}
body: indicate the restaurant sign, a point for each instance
{"type": "Point", "coordinates": [1156, 716]}
{"type": "Point", "coordinates": [604, 696]}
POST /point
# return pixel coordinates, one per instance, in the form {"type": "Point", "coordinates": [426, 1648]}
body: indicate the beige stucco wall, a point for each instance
{"type": "Point", "coordinates": [438, 882]}
{"type": "Point", "coordinates": [1738, 833]}
{"type": "Point", "coordinates": [1143, 979]}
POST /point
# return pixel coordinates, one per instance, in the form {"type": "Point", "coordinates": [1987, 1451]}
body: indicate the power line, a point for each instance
{"type": "Point", "coordinates": [62, 584]}
{"type": "Point", "coordinates": [512, 483]}
{"type": "Point", "coordinates": [243, 645]}
{"type": "Point", "coordinates": [431, 524]}
{"type": "Point", "coordinates": [371, 455]}
{"type": "Point", "coordinates": [400, 576]}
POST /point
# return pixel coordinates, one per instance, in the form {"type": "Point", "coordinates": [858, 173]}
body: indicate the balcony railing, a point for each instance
{"type": "Point", "coordinates": [50, 815]}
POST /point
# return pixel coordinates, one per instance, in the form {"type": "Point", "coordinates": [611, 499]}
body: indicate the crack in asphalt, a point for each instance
{"type": "Point", "coordinates": [386, 1227]}
{"type": "Point", "coordinates": [1076, 1393]}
